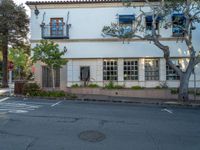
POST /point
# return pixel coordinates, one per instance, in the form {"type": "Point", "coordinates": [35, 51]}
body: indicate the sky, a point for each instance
{"type": "Point", "coordinates": [24, 1]}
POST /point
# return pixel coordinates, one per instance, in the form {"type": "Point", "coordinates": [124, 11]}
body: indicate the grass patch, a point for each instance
{"type": "Point", "coordinates": [158, 87]}
{"type": "Point", "coordinates": [174, 91]}
{"type": "Point", "coordinates": [93, 86]}
{"type": "Point", "coordinates": [75, 86]}
{"type": "Point", "coordinates": [137, 87]}
{"type": "Point", "coordinates": [111, 85]}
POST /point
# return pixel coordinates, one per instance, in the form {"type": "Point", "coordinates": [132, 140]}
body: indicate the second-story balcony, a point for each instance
{"type": "Point", "coordinates": [55, 31]}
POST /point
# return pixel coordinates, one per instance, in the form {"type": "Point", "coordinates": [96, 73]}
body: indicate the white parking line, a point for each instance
{"type": "Point", "coordinates": [56, 104]}
{"type": "Point", "coordinates": [167, 110]}
{"type": "Point", "coordinates": [4, 99]}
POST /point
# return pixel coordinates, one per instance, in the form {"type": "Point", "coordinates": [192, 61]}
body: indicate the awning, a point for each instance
{"type": "Point", "coordinates": [126, 19]}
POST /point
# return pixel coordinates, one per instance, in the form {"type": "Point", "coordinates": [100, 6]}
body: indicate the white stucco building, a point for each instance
{"type": "Point", "coordinates": [77, 26]}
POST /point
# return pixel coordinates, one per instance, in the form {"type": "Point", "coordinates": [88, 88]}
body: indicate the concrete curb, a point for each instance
{"type": "Point", "coordinates": [114, 100]}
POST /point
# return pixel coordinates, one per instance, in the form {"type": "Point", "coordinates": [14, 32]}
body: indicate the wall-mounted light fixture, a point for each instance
{"type": "Point", "coordinates": [36, 11]}
{"type": "Point", "coordinates": [65, 49]}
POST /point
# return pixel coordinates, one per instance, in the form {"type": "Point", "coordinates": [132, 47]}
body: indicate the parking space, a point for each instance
{"type": "Point", "coordinates": [21, 105]}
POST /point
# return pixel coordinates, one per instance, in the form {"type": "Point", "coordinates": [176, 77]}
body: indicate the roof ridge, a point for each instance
{"type": "Point", "coordinates": [76, 1]}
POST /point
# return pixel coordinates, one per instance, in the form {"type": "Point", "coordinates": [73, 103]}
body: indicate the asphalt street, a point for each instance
{"type": "Point", "coordinates": [28, 124]}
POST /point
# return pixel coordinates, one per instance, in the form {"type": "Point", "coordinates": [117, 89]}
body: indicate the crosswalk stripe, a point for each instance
{"type": "Point", "coordinates": [15, 107]}
{"type": "Point", "coordinates": [4, 99]}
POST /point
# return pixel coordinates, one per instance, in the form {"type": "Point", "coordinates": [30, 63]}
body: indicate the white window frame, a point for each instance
{"type": "Point", "coordinates": [131, 69]}
{"type": "Point", "coordinates": [110, 69]}
{"type": "Point", "coordinates": [152, 69]}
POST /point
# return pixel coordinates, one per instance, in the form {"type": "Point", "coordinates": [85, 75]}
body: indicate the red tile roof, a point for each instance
{"type": "Point", "coordinates": [76, 2]}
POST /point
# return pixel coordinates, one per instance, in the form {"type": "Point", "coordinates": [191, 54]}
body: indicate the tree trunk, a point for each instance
{"type": "Point", "coordinates": [5, 65]}
{"type": "Point", "coordinates": [53, 78]}
{"type": "Point", "coordinates": [183, 89]}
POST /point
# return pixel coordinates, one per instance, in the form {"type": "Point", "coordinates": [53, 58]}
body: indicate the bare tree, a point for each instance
{"type": "Point", "coordinates": [160, 11]}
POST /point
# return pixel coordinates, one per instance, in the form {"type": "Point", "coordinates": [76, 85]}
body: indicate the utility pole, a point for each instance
{"type": "Point", "coordinates": [195, 89]}
{"type": "Point", "coordinates": [10, 68]}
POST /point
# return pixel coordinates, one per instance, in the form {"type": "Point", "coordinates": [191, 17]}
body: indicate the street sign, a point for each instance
{"type": "Point", "coordinates": [10, 65]}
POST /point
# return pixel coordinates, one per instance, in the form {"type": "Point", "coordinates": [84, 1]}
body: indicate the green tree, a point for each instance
{"type": "Point", "coordinates": [48, 52]}
{"type": "Point", "coordinates": [14, 26]}
{"type": "Point", "coordinates": [164, 9]}
{"type": "Point", "coordinates": [22, 62]}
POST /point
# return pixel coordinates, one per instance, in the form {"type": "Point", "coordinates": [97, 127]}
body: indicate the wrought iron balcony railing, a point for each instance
{"type": "Point", "coordinates": [55, 32]}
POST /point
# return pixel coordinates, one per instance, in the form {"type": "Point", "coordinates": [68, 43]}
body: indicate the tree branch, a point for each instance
{"type": "Point", "coordinates": [197, 60]}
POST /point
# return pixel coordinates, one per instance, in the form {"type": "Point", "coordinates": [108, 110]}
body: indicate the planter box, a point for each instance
{"type": "Point", "coordinates": [19, 86]}
{"type": "Point", "coordinates": [143, 93]}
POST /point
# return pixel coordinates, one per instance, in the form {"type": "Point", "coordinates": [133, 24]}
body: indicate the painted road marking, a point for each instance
{"type": "Point", "coordinates": [4, 99]}
{"type": "Point", "coordinates": [17, 111]}
{"type": "Point", "coordinates": [167, 110]}
{"type": "Point", "coordinates": [16, 107]}
{"type": "Point", "coordinates": [53, 105]}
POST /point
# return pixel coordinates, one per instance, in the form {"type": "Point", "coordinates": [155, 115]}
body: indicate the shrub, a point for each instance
{"type": "Point", "coordinates": [47, 93]}
{"type": "Point", "coordinates": [198, 92]}
{"type": "Point", "coordinates": [93, 85]}
{"type": "Point", "coordinates": [75, 86]}
{"type": "Point", "coordinates": [137, 87]}
{"type": "Point", "coordinates": [56, 93]}
{"type": "Point", "coordinates": [158, 87]}
{"type": "Point", "coordinates": [118, 87]}
{"type": "Point", "coordinates": [31, 89]}
{"type": "Point", "coordinates": [111, 85]}
{"type": "Point", "coordinates": [174, 91]}
{"type": "Point", "coordinates": [191, 91]}
{"type": "Point", "coordinates": [72, 96]}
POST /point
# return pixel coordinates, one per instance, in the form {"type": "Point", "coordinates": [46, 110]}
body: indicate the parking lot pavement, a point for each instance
{"type": "Point", "coordinates": [20, 105]}
{"type": "Point", "coordinates": [33, 124]}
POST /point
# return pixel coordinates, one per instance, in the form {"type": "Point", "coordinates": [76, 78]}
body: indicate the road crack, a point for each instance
{"type": "Point", "coordinates": [31, 144]}
{"type": "Point", "coordinates": [155, 142]}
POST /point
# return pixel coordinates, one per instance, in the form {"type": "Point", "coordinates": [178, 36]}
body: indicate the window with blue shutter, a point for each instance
{"type": "Point", "coordinates": [178, 21]}
{"type": "Point", "coordinates": [149, 22]}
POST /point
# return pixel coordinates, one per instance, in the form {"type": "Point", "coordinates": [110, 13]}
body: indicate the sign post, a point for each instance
{"type": "Point", "coordinates": [10, 68]}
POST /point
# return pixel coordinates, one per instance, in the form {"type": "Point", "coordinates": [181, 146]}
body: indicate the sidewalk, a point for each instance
{"type": "Point", "coordinates": [102, 98]}
{"type": "Point", "coordinates": [115, 99]}
{"type": "Point", "coordinates": [6, 91]}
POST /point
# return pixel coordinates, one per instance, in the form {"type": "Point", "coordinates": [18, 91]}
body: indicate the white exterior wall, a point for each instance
{"type": "Point", "coordinates": [73, 71]}
{"type": "Point", "coordinates": [96, 73]}
{"type": "Point", "coordinates": [86, 25]}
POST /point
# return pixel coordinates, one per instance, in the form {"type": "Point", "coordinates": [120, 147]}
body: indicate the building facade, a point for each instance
{"type": "Point", "coordinates": [77, 26]}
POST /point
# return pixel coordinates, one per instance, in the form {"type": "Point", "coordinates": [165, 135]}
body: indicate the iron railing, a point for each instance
{"type": "Point", "coordinates": [55, 32]}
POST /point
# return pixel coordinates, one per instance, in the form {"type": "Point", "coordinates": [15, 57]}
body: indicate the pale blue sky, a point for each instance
{"type": "Point", "coordinates": [24, 1]}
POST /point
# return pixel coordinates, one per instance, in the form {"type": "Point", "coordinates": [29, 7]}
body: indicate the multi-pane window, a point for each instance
{"type": "Point", "coordinates": [178, 24]}
{"type": "Point", "coordinates": [47, 77]}
{"type": "Point", "coordinates": [181, 63]}
{"type": "Point", "coordinates": [151, 69]}
{"type": "Point", "coordinates": [130, 69]}
{"type": "Point", "coordinates": [149, 22]}
{"type": "Point", "coordinates": [57, 26]}
{"type": "Point", "coordinates": [110, 69]}
{"type": "Point", "coordinates": [171, 74]}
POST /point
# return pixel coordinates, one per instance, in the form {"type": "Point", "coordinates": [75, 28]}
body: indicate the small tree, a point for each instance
{"type": "Point", "coordinates": [22, 62]}
{"type": "Point", "coordinates": [48, 52]}
{"type": "Point", "coordinates": [14, 27]}
{"type": "Point", "coordinates": [161, 10]}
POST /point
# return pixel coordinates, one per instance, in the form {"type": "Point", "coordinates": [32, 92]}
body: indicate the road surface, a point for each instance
{"type": "Point", "coordinates": [27, 124]}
